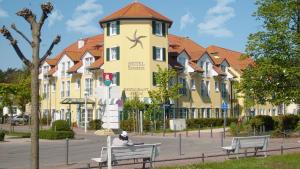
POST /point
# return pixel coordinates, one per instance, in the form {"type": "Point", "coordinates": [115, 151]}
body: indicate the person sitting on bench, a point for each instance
{"type": "Point", "coordinates": [123, 140]}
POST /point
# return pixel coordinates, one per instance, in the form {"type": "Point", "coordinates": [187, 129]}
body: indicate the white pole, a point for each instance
{"type": "Point", "coordinates": [85, 112]}
{"type": "Point", "coordinates": [108, 152]}
{"type": "Point", "coordinates": [107, 103]}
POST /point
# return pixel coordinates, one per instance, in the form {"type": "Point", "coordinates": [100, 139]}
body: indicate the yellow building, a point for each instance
{"type": "Point", "coordinates": [135, 40]}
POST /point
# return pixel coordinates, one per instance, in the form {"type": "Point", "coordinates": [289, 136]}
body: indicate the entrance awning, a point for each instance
{"type": "Point", "coordinates": [76, 101]}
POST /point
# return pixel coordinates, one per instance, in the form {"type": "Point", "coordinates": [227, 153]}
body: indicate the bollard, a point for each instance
{"type": "Point", "coordinates": [199, 131]}
{"type": "Point", "coordinates": [222, 139]}
{"type": "Point", "coordinates": [202, 157]}
{"type": "Point", "coordinates": [67, 151]}
{"type": "Point", "coordinates": [260, 129]}
{"type": "Point", "coordinates": [174, 130]}
{"type": "Point", "coordinates": [254, 131]}
{"type": "Point", "coordinates": [88, 166]}
{"type": "Point", "coordinates": [264, 128]}
{"type": "Point", "coordinates": [281, 149]}
{"type": "Point", "coordinates": [211, 134]}
{"type": "Point", "coordinates": [164, 133]}
{"type": "Point", "coordinates": [186, 132]}
{"type": "Point", "coordinates": [245, 152]}
{"type": "Point", "coordinates": [180, 144]}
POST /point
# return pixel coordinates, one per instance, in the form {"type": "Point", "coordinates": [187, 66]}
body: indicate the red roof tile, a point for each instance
{"type": "Point", "coordinates": [75, 67]}
{"type": "Point", "coordinates": [219, 70]}
{"type": "Point", "coordinates": [135, 10]}
{"type": "Point", "coordinates": [97, 64]}
{"type": "Point", "coordinates": [195, 67]}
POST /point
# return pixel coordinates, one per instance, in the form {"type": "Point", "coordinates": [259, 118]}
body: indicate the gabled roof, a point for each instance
{"type": "Point", "coordinates": [135, 10]}
{"type": "Point", "coordinates": [177, 44]}
{"type": "Point", "coordinates": [237, 60]}
{"type": "Point", "coordinates": [75, 67]}
{"type": "Point", "coordinates": [97, 64]}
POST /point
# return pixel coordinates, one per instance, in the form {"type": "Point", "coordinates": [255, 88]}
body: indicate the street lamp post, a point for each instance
{"type": "Point", "coordinates": [85, 111]}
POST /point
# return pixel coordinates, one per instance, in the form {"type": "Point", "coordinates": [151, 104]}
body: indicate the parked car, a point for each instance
{"type": "Point", "coordinates": [20, 119]}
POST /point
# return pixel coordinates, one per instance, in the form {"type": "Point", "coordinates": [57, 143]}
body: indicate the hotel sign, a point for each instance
{"type": "Point", "coordinates": [136, 66]}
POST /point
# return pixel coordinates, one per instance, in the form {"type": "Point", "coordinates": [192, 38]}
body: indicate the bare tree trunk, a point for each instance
{"type": "Point", "coordinates": [35, 98]}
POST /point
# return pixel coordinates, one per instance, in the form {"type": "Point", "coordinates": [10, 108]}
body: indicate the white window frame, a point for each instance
{"type": "Point", "coordinates": [63, 69]}
{"type": "Point", "coordinates": [113, 28]}
{"type": "Point", "coordinates": [217, 86]}
{"type": "Point", "coordinates": [207, 84]}
{"type": "Point", "coordinates": [193, 84]}
{"type": "Point", "coordinates": [62, 89]}
{"type": "Point", "coordinates": [158, 28]}
{"type": "Point", "coordinates": [68, 89]}
{"type": "Point", "coordinates": [113, 56]}
{"type": "Point", "coordinates": [89, 86]}
{"type": "Point", "coordinates": [160, 51]}
{"type": "Point", "coordinates": [114, 79]}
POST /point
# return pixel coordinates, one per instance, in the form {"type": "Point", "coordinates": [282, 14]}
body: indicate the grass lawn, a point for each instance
{"type": "Point", "coordinates": [289, 161]}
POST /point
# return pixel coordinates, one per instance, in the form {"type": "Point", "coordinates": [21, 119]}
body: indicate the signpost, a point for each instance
{"type": "Point", "coordinates": [107, 81]}
{"type": "Point", "coordinates": [224, 107]}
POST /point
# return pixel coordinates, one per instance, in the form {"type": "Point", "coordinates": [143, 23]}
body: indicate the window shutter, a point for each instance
{"type": "Point", "coordinates": [108, 29]}
{"type": "Point", "coordinates": [154, 79]}
{"type": "Point", "coordinates": [118, 78]}
{"type": "Point", "coordinates": [154, 53]}
{"type": "Point", "coordinates": [118, 27]}
{"type": "Point", "coordinates": [153, 27]}
{"type": "Point", "coordinates": [164, 29]}
{"type": "Point", "coordinates": [118, 53]}
{"type": "Point", "coordinates": [164, 54]}
{"type": "Point", "coordinates": [107, 54]}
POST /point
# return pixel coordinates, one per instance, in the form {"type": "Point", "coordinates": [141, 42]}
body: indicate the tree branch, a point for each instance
{"type": "Point", "coordinates": [55, 41]}
{"type": "Point", "coordinates": [27, 15]}
{"type": "Point", "coordinates": [13, 26]}
{"type": "Point", "coordinates": [5, 32]}
{"type": "Point", "coordinates": [47, 9]}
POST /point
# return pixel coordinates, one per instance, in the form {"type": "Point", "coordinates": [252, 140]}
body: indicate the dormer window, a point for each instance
{"type": "Point", "coordinates": [113, 28]}
{"type": "Point", "coordinates": [158, 28]}
{"type": "Point", "coordinates": [223, 68]}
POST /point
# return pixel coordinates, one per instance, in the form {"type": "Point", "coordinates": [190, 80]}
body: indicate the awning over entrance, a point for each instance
{"type": "Point", "coordinates": [76, 101]}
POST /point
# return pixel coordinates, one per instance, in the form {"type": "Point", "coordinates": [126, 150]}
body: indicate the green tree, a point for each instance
{"type": "Point", "coordinates": [164, 91]}
{"type": "Point", "coordinates": [275, 76]}
{"type": "Point", "coordinates": [133, 106]}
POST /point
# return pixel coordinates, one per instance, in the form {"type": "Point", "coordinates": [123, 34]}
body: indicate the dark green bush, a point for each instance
{"type": "Point", "coordinates": [206, 122]}
{"type": "Point", "coordinates": [55, 135]}
{"type": "Point", "coordinates": [2, 135]}
{"type": "Point", "coordinates": [265, 120]}
{"type": "Point", "coordinates": [128, 125]}
{"type": "Point", "coordinates": [286, 122]}
{"type": "Point", "coordinates": [60, 125]}
{"type": "Point", "coordinates": [95, 124]}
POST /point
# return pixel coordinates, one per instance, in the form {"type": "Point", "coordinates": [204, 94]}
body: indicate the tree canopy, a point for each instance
{"type": "Point", "coordinates": [275, 77]}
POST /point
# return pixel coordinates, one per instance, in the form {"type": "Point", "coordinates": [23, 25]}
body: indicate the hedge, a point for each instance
{"type": "Point", "coordinates": [60, 125]}
{"type": "Point", "coordinates": [128, 125]}
{"type": "Point", "coordinates": [55, 135]}
{"type": "Point", "coordinates": [265, 120]}
{"type": "Point", "coordinates": [206, 122]}
{"type": "Point", "coordinates": [95, 124]}
{"type": "Point", "coordinates": [2, 135]}
{"type": "Point", "coordinates": [286, 122]}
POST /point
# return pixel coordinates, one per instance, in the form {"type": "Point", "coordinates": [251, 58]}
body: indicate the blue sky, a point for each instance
{"type": "Point", "coordinates": [225, 23]}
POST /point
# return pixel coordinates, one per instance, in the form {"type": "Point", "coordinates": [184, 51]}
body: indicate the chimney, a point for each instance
{"type": "Point", "coordinates": [80, 43]}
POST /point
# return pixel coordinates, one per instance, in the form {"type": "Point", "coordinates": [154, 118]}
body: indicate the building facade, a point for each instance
{"type": "Point", "coordinates": [134, 42]}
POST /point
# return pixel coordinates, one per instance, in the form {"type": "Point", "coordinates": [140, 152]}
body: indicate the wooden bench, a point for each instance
{"type": "Point", "coordinates": [256, 142]}
{"type": "Point", "coordinates": [146, 152]}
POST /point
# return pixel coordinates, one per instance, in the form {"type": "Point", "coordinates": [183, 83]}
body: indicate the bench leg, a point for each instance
{"type": "Point", "coordinates": [145, 161]}
{"type": "Point", "coordinates": [255, 151]}
{"type": "Point", "coordinates": [100, 165]}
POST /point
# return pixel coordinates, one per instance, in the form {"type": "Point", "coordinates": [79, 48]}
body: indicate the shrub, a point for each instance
{"type": "Point", "coordinates": [206, 122]}
{"type": "Point", "coordinates": [95, 124]}
{"type": "Point", "coordinates": [128, 125]}
{"type": "Point", "coordinates": [2, 135]}
{"type": "Point", "coordinates": [55, 135]}
{"type": "Point", "coordinates": [286, 122]}
{"type": "Point", "coordinates": [260, 120]}
{"type": "Point", "coordinates": [60, 125]}
{"type": "Point", "coordinates": [20, 134]}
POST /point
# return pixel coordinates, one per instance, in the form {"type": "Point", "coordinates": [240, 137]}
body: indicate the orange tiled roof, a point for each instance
{"type": "Point", "coordinates": [195, 67]}
{"type": "Point", "coordinates": [75, 67]}
{"type": "Point", "coordinates": [97, 64]}
{"type": "Point", "coordinates": [177, 44]}
{"type": "Point", "coordinates": [51, 62]}
{"type": "Point", "coordinates": [219, 70]}
{"type": "Point", "coordinates": [237, 60]}
{"type": "Point", "coordinates": [135, 10]}
{"type": "Point", "coordinates": [52, 70]}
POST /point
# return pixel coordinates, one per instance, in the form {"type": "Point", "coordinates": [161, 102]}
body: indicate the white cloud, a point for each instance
{"type": "Point", "coordinates": [55, 16]}
{"type": "Point", "coordinates": [3, 13]}
{"type": "Point", "coordinates": [84, 18]}
{"type": "Point", "coordinates": [216, 18]}
{"type": "Point", "coordinates": [186, 19]}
